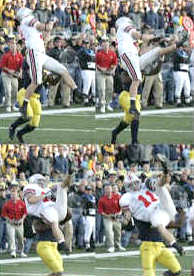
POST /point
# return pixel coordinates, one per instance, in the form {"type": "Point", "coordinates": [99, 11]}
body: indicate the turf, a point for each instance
{"type": "Point", "coordinates": [90, 266]}
{"type": "Point", "coordinates": [84, 128]}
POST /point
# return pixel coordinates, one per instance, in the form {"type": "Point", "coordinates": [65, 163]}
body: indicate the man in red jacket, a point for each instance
{"type": "Point", "coordinates": [108, 207]}
{"type": "Point", "coordinates": [14, 210]}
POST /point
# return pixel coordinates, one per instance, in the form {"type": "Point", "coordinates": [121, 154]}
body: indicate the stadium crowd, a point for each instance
{"type": "Point", "coordinates": [82, 30]}
{"type": "Point", "coordinates": [99, 171]}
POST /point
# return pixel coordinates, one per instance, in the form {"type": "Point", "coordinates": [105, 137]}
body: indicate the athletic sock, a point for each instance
{"type": "Point", "coordinates": [28, 128]}
{"type": "Point", "coordinates": [134, 131]}
{"type": "Point", "coordinates": [122, 125]}
{"type": "Point", "coordinates": [18, 122]}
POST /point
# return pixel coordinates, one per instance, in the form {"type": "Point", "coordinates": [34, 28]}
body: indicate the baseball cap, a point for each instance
{"type": "Point", "coordinates": [88, 188]}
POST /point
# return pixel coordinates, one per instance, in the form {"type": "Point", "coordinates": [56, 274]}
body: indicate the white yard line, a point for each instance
{"type": "Point", "coordinates": [130, 269]}
{"type": "Point", "coordinates": [59, 129]}
{"type": "Point", "coordinates": [38, 274]}
{"type": "Point", "coordinates": [148, 112]}
{"type": "Point", "coordinates": [53, 111]}
{"type": "Point", "coordinates": [149, 130]}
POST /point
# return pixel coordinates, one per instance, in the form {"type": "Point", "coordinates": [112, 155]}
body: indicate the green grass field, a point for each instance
{"type": "Point", "coordinates": [116, 264]}
{"type": "Point", "coordinates": [72, 126]}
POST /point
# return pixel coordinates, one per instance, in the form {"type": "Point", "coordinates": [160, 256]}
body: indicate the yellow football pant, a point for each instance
{"type": "Point", "coordinates": [50, 256]}
{"type": "Point", "coordinates": [156, 252]}
{"type": "Point", "coordinates": [34, 109]}
{"type": "Point", "coordinates": [124, 101]}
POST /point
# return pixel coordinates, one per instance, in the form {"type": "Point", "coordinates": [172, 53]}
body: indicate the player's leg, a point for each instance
{"type": "Point", "coordinates": [121, 126]}
{"type": "Point", "coordinates": [132, 65]}
{"type": "Point", "coordinates": [35, 62]}
{"type": "Point", "coordinates": [169, 260]}
{"type": "Point", "coordinates": [50, 215]}
{"type": "Point", "coordinates": [50, 256]}
{"type": "Point", "coordinates": [53, 65]}
{"type": "Point", "coordinates": [148, 258]}
{"type": "Point", "coordinates": [35, 110]}
{"type": "Point", "coordinates": [147, 87]}
{"type": "Point", "coordinates": [20, 120]}
{"type": "Point", "coordinates": [135, 130]}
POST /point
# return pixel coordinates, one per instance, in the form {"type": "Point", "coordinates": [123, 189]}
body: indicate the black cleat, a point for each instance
{"type": "Point", "coordinates": [20, 139]}
{"type": "Point", "coordinates": [169, 273]}
{"type": "Point", "coordinates": [11, 132]}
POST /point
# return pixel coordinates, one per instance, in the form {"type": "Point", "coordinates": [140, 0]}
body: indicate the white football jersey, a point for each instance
{"type": "Point", "coordinates": [125, 40]}
{"type": "Point", "coordinates": [33, 38]}
{"type": "Point", "coordinates": [34, 189]}
{"type": "Point", "coordinates": [141, 204]}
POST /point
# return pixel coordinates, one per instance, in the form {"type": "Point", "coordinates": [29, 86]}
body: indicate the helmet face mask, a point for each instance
{"type": "Point", "coordinates": [151, 183]}
{"type": "Point", "coordinates": [132, 183]}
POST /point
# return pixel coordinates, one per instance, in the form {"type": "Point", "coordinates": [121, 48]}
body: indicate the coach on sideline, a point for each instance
{"type": "Point", "coordinates": [14, 210]}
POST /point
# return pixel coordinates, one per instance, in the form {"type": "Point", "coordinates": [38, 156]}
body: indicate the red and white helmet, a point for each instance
{"type": "Point", "coordinates": [123, 21]}
{"type": "Point", "coordinates": [38, 179]}
{"type": "Point", "coordinates": [22, 13]}
{"type": "Point", "coordinates": [132, 183]}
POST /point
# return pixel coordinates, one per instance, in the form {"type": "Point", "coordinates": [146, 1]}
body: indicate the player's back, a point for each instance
{"type": "Point", "coordinates": [33, 38]}
{"type": "Point", "coordinates": [141, 203]}
{"type": "Point", "coordinates": [125, 40]}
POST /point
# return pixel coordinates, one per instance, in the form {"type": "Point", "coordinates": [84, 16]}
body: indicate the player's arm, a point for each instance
{"type": "Point", "coordinates": [32, 198]}
{"type": "Point", "coordinates": [44, 27]}
{"type": "Point", "coordinates": [139, 36]}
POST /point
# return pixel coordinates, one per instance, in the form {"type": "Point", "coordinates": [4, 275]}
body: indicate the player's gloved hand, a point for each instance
{"type": "Point", "coordinates": [23, 110]}
{"type": "Point", "coordinates": [48, 195]}
{"type": "Point", "coordinates": [178, 248]}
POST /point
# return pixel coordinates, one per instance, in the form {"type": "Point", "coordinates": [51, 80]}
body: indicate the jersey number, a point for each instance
{"type": "Point", "coordinates": [145, 201]}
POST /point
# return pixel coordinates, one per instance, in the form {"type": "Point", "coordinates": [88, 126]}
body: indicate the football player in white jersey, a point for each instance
{"type": "Point", "coordinates": [31, 31]}
{"type": "Point", "coordinates": [145, 205]}
{"type": "Point", "coordinates": [38, 203]}
{"type": "Point", "coordinates": [127, 37]}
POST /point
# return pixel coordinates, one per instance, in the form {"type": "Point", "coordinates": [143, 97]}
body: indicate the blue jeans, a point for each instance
{"type": "Point", "coordinates": [169, 85]}
{"type": "Point", "coordinates": [99, 228]}
{"type": "Point", "coordinates": [28, 244]}
{"type": "Point", "coordinates": [125, 238]}
{"type": "Point", "coordinates": [78, 229]}
{"type": "Point", "coordinates": [2, 233]}
{"type": "Point", "coordinates": [2, 91]}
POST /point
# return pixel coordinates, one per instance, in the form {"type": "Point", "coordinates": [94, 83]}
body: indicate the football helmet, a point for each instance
{"type": "Point", "coordinates": [123, 21]}
{"type": "Point", "coordinates": [22, 13]}
{"type": "Point", "coordinates": [38, 179]}
{"type": "Point", "coordinates": [132, 183]}
{"type": "Point", "coordinates": [151, 183]}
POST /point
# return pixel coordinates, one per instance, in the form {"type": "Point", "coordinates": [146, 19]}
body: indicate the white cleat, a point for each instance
{"type": "Point", "coordinates": [111, 250]}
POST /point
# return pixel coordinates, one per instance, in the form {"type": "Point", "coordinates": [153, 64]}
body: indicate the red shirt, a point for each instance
{"type": "Point", "coordinates": [109, 205]}
{"type": "Point", "coordinates": [105, 60]}
{"type": "Point", "coordinates": [13, 62]}
{"type": "Point", "coordinates": [14, 210]}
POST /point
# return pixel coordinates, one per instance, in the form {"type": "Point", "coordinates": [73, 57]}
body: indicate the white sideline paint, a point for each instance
{"type": "Point", "coordinates": [150, 130]}
{"type": "Point", "coordinates": [130, 269]}
{"type": "Point", "coordinates": [85, 255]}
{"type": "Point", "coordinates": [148, 112]}
{"type": "Point", "coordinates": [53, 111]}
{"type": "Point", "coordinates": [59, 129]}
{"type": "Point", "coordinates": [20, 273]}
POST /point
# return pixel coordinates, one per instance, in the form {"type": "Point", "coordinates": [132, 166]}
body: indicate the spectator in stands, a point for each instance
{"type": "Point", "coordinates": [60, 162]}
{"type": "Point", "coordinates": [60, 14]}
{"type": "Point", "coordinates": [8, 16]}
